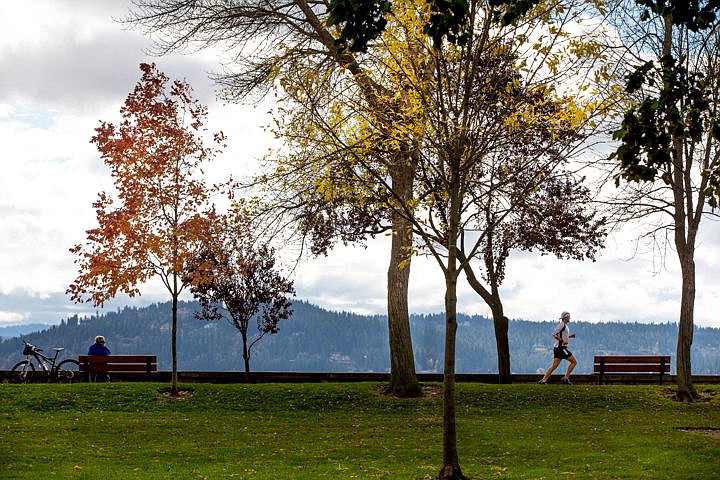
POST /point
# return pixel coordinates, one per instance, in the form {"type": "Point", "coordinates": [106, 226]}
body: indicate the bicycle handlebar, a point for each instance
{"type": "Point", "coordinates": [32, 347]}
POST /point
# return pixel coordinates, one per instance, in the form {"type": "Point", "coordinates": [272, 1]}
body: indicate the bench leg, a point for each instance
{"type": "Point", "coordinates": [662, 370]}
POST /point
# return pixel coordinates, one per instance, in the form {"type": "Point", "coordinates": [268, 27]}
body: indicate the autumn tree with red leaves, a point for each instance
{"type": "Point", "coordinates": [156, 220]}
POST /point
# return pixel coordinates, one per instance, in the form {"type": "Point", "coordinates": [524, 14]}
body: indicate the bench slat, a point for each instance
{"type": "Point", "coordinates": [612, 368]}
{"type": "Point", "coordinates": [120, 367]}
{"type": "Point", "coordinates": [118, 358]}
{"type": "Point", "coordinates": [632, 358]}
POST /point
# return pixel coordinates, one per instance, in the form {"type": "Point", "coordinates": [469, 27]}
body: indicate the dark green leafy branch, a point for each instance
{"type": "Point", "coordinates": [362, 21]}
{"type": "Point", "coordinates": [681, 110]}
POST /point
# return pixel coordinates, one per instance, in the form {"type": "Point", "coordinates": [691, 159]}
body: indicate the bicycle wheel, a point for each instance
{"type": "Point", "coordinates": [68, 371]}
{"type": "Point", "coordinates": [22, 372]}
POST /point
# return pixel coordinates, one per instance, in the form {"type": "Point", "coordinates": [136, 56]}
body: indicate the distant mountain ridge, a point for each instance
{"type": "Point", "coordinates": [314, 339]}
{"type": "Point", "coordinates": [17, 330]}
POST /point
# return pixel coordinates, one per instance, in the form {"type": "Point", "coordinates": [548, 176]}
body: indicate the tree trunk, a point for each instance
{"type": "Point", "coordinates": [246, 355]}
{"type": "Point", "coordinates": [685, 247]}
{"type": "Point", "coordinates": [686, 390]}
{"type": "Point", "coordinates": [502, 341]}
{"type": "Point", "coordinates": [451, 462]}
{"type": "Point", "coordinates": [403, 378]}
{"type": "Point", "coordinates": [500, 321]}
{"type": "Point", "coordinates": [174, 383]}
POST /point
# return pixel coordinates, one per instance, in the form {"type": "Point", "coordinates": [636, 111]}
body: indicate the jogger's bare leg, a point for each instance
{"type": "Point", "coordinates": [571, 366]}
{"type": "Point", "coordinates": [555, 363]}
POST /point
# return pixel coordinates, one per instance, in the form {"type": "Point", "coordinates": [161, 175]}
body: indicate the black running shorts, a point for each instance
{"type": "Point", "coordinates": [562, 352]}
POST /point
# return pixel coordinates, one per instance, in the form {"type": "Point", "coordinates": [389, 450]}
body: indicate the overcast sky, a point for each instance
{"type": "Point", "coordinates": [66, 64]}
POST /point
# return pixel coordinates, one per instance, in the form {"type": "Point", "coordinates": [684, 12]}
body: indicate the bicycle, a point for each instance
{"type": "Point", "coordinates": [67, 371]}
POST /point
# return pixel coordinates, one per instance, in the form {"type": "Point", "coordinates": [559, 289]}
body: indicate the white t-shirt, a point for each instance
{"type": "Point", "coordinates": [565, 333]}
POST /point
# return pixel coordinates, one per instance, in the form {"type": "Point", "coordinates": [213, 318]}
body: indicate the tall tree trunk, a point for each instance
{"type": "Point", "coordinates": [500, 321]}
{"type": "Point", "coordinates": [246, 355]}
{"type": "Point", "coordinates": [403, 378]}
{"type": "Point", "coordinates": [686, 390]}
{"type": "Point", "coordinates": [174, 386]}
{"type": "Point", "coordinates": [451, 462]}
{"type": "Point", "coordinates": [502, 342]}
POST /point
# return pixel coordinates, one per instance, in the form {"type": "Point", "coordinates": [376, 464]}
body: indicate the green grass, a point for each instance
{"type": "Point", "coordinates": [344, 431]}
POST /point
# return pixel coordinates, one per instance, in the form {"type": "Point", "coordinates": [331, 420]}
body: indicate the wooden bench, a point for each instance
{"type": "Point", "coordinates": [105, 364]}
{"type": "Point", "coordinates": [632, 364]}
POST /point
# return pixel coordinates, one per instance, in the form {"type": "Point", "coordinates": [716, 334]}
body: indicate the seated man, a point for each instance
{"type": "Point", "coordinates": [99, 348]}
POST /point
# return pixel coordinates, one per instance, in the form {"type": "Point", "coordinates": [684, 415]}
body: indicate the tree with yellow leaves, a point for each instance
{"type": "Point", "coordinates": [269, 40]}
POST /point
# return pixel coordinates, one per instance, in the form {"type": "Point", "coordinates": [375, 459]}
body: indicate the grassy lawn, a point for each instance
{"type": "Point", "coordinates": [342, 431]}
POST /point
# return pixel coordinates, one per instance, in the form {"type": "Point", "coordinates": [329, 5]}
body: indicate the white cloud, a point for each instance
{"type": "Point", "coordinates": [46, 192]}
{"type": "Point", "coordinates": [72, 55]}
{"type": "Point", "coordinates": [13, 318]}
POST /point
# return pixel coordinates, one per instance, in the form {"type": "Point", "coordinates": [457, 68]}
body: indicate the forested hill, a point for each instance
{"type": "Point", "coordinates": [314, 339]}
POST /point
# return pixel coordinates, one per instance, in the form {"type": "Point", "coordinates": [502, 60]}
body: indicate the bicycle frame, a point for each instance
{"type": "Point", "coordinates": [62, 371]}
{"type": "Point", "coordinates": [41, 358]}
